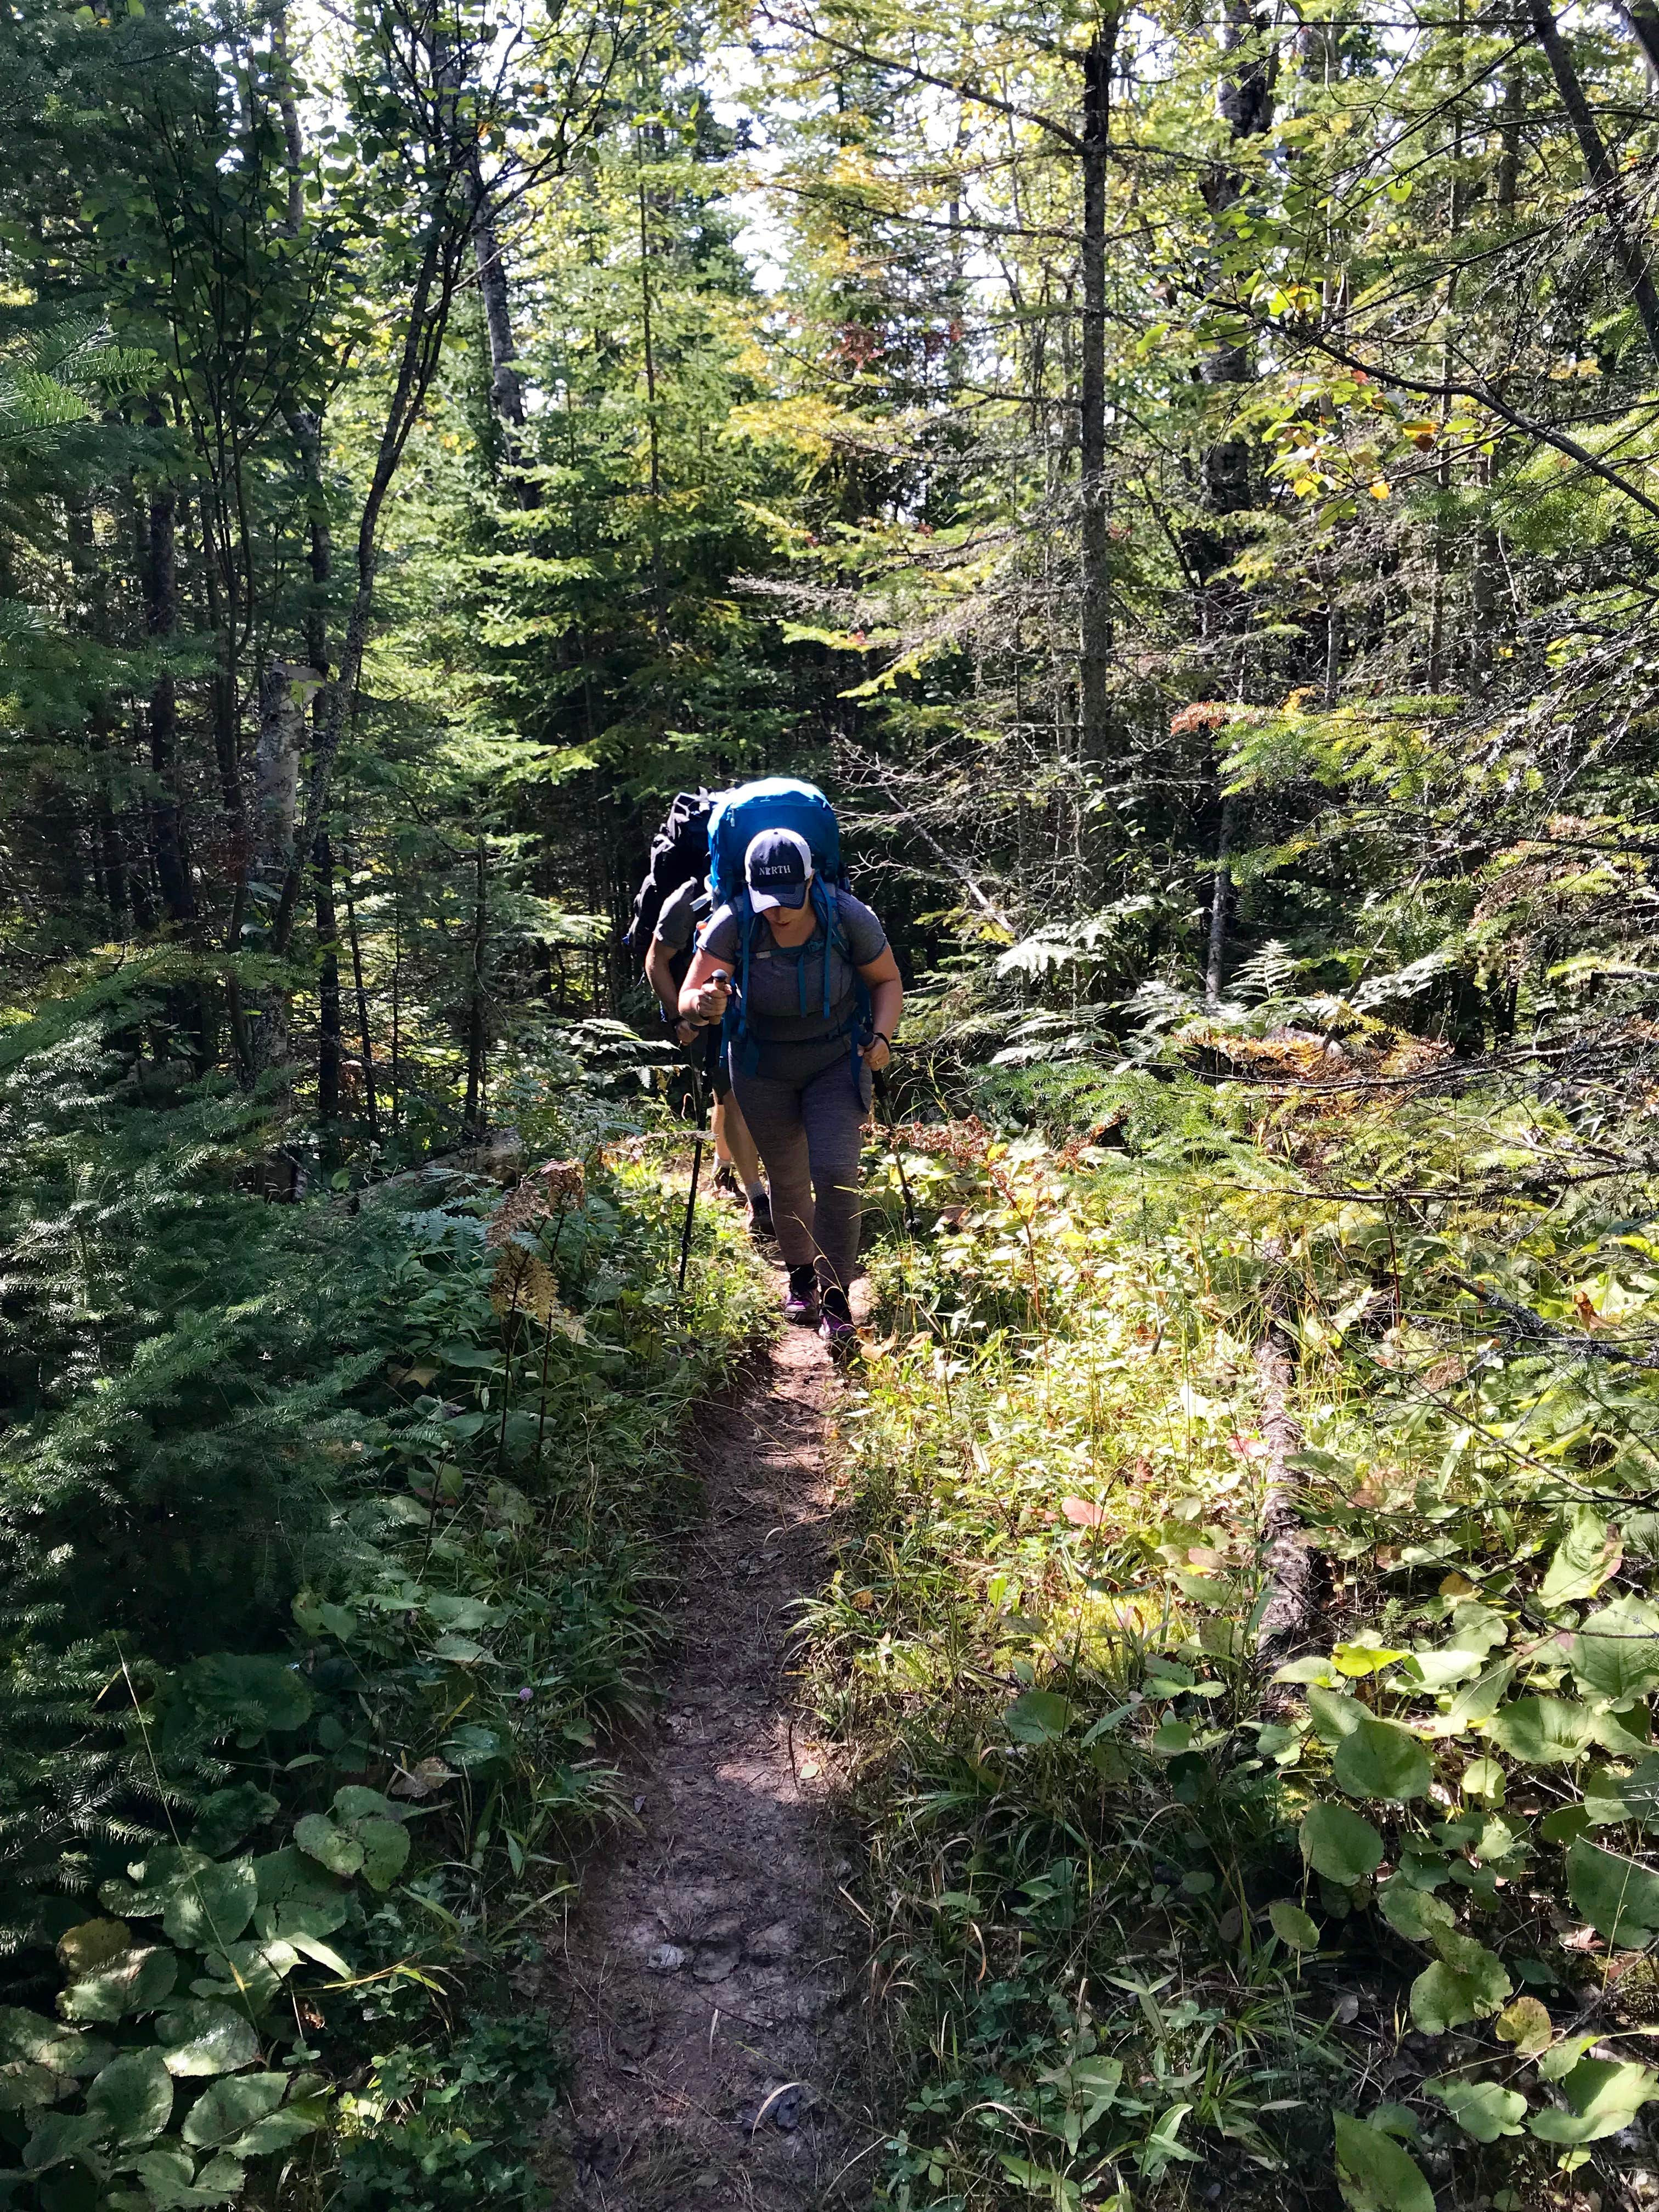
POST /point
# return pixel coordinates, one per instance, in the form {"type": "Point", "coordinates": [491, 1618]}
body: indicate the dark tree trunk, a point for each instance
{"type": "Point", "coordinates": [418, 358]}
{"type": "Point", "coordinates": [328, 990]}
{"type": "Point", "coordinates": [1095, 641]}
{"type": "Point", "coordinates": [366, 1043]}
{"type": "Point", "coordinates": [167, 833]}
{"type": "Point", "coordinates": [1220, 890]}
{"type": "Point", "coordinates": [1245, 99]}
{"type": "Point", "coordinates": [1622, 228]}
{"type": "Point", "coordinates": [472, 1120]}
{"type": "Point", "coordinates": [1643, 16]}
{"type": "Point", "coordinates": [506, 381]}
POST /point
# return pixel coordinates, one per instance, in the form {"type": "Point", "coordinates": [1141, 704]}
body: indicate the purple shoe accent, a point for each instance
{"type": "Point", "coordinates": [835, 1325]}
{"type": "Point", "coordinates": [802, 1302]}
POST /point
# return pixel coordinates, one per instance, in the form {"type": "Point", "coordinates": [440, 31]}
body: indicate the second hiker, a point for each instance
{"type": "Point", "coordinates": [820, 1000]}
{"type": "Point", "coordinates": [667, 959]}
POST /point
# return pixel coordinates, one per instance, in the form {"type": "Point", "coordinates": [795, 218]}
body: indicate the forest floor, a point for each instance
{"type": "Point", "coordinates": [712, 1972]}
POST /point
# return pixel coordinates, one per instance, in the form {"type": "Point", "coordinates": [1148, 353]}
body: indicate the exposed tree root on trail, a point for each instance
{"type": "Point", "coordinates": [711, 1968]}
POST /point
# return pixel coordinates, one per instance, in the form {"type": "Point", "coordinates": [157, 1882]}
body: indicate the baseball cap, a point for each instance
{"type": "Point", "coordinates": [777, 867]}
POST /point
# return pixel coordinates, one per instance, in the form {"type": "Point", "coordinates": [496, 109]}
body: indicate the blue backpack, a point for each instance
{"type": "Point", "coordinates": [778, 802]}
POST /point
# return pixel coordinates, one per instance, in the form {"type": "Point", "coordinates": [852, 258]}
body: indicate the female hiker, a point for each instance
{"type": "Point", "coordinates": [801, 1074]}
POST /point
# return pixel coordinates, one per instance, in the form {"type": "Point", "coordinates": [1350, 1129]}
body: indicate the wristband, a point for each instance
{"type": "Point", "coordinates": [883, 1037]}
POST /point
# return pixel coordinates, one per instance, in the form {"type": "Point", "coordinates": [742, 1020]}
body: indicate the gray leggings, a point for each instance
{"type": "Point", "coordinates": [810, 1136]}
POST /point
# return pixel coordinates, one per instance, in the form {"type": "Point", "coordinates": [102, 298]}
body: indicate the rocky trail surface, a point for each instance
{"type": "Point", "coordinates": [713, 1967]}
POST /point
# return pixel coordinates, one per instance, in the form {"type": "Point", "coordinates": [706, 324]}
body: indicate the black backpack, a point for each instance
{"type": "Point", "coordinates": [679, 854]}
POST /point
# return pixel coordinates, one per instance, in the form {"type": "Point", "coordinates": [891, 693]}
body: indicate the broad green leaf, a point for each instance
{"type": "Point", "coordinates": [1484, 1778]}
{"type": "Point", "coordinates": [354, 1803]}
{"type": "Point", "coordinates": [1625, 1734]}
{"type": "Point", "coordinates": [1604, 1800]}
{"type": "Point", "coordinates": [232, 2105]}
{"type": "Point", "coordinates": [222, 1819]}
{"type": "Point", "coordinates": [1356, 1661]}
{"type": "Point", "coordinates": [1479, 1701]}
{"type": "Point", "coordinates": [132, 2099]}
{"type": "Point", "coordinates": [278, 2132]}
{"type": "Point", "coordinates": [288, 1876]}
{"type": "Point", "coordinates": [466, 1614]}
{"type": "Point", "coordinates": [1619, 1898]}
{"type": "Point", "coordinates": [1333, 1713]}
{"type": "Point", "coordinates": [302, 1920]}
{"type": "Point", "coordinates": [1526, 2024]}
{"type": "Point", "coordinates": [202, 2038]}
{"type": "Point", "coordinates": [1416, 1914]}
{"type": "Point", "coordinates": [27, 2039]}
{"type": "Point", "coordinates": [460, 1650]}
{"type": "Point", "coordinates": [154, 1878]}
{"type": "Point", "coordinates": [57, 2137]}
{"type": "Point", "coordinates": [211, 1906]}
{"type": "Point", "coordinates": [1445, 1995]}
{"type": "Point", "coordinates": [1559, 2060]}
{"type": "Point", "coordinates": [1615, 1653]}
{"type": "Point", "coordinates": [1438, 1670]}
{"type": "Point", "coordinates": [1293, 1925]}
{"type": "Point", "coordinates": [318, 1837]}
{"type": "Point", "coordinates": [1543, 1731]}
{"type": "Point", "coordinates": [137, 1982]}
{"type": "Point", "coordinates": [1338, 1845]}
{"type": "Point", "coordinates": [252, 1691]}
{"type": "Point", "coordinates": [1478, 1628]}
{"type": "Point", "coordinates": [1640, 1793]}
{"type": "Point", "coordinates": [1499, 1841]}
{"type": "Point", "coordinates": [92, 1945]}
{"type": "Point", "coordinates": [1378, 1760]}
{"type": "Point", "coordinates": [167, 2185]}
{"type": "Point", "coordinates": [314, 1947]}
{"type": "Point", "coordinates": [1603, 2097]}
{"type": "Point", "coordinates": [1423, 1866]}
{"type": "Point", "coordinates": [1038, 1717]}
{"type": "Point", "coordinates": [386, 1850]}
{"type": "Point", "coordinates": [1485, 2110]}
{"type": "Point", "coordinates": [1375, 2174]}
{"type": "Point", "coordinates": [29, 2088]}
{"type": "Point", "coordinates": [1564, 1824]}
{"type": "Point", "coordinates": [1585, 1557]}
{"type": "Point", "coordinates": [1045, 2181]}
{"type": "Point", "coordinates": [250, 1974]}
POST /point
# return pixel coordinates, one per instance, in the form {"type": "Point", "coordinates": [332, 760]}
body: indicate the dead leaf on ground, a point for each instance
{"type": "Point", "coordinates": [1081, 1513]}
{"type": "Point", "coordinates": [420, 1780]}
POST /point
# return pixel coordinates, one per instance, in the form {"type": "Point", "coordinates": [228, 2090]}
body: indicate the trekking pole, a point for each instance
{"type": "Point", "coordinates": [703, 1092]}
{"type": "Point", "coordinates": [884, 1091]}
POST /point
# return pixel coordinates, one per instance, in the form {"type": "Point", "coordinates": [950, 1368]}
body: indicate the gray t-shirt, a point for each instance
{"type": "Point", "coordinates": [678, 917]}
{"type": "Point", "coordinates": [786, 987]}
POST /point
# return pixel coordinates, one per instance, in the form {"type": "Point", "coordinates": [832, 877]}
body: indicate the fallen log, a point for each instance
{"type": "Point", "coordinates": [1290, 1564]}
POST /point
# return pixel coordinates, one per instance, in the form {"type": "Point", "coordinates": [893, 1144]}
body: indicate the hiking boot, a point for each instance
{"type": "Point", "coordinates": [836, 1324]}
{"type": "Point", "coordinates": [802, 1302]}
{"type": "Point", "coordinates": [760, 1214]}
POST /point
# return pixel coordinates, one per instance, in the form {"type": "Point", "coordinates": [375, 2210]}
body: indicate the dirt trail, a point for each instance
{"type": "Point", "coordinates": [713, 1966]}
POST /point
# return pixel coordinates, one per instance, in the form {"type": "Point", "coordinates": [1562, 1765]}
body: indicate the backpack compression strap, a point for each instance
{"type": "Point", "coordinates": [827, 906]}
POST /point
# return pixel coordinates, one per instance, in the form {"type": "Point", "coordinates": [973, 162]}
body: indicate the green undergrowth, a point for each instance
{"type": "Point", "coordinates": [1151, 1924]}
{"type": "Point", "coordinates": [335, 1548]}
